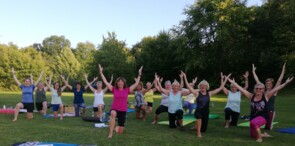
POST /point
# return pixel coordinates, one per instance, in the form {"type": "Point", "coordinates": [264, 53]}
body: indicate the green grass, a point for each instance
{"type": "Point", "coordinates": [74, 130]}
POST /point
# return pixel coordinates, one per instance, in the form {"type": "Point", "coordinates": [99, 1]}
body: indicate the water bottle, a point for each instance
{"type": "Point", "coordinates": [4, 106]}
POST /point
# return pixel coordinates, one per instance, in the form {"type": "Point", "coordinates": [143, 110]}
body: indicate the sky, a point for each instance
{"type": "Point", "coordinates": [25, 22]}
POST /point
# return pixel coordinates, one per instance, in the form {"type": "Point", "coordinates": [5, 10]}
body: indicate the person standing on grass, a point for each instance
{"type": "Point", "coordinates": [56, 101]}
{"type": "Point", "coordinates": [259, 106]}
{"type": "Point", "coordinates": [232, 108]}
{"type": "Point", "coordinates": [164, 102]}
{"type": "Point", "coordinates": [119, 108]}
{"type": "Point", "coordinates": [269, 86]}
{"type": "Point", "coordinates": [78, 96]}
{"type": "Point", "coordinates": [40, 93]}
{"type": "Point", "coordinates": [98, 104]}
{"type": "Point", "coordinates": [175, 112]}
{"type": "Point", "coordinates": [203, 102]}
{"type": "Point", "coordinates": [149, 97]}
{"type": "Point", "coordinates": [27, 95]}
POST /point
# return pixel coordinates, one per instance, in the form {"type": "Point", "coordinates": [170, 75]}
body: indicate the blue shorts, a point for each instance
{"type": "Point", "coordinates": [55, 107]}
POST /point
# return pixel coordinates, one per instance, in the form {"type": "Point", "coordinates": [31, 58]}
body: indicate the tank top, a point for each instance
{"type": "Point", "coordinates": [138, 101]}
{"type": "Point", "coordinates": [234, 101]}
{"type": "Point", "coordinates": [259, 108]}
{"type": "Point", "coordinates": [149, 96]}
{"type": "Point", "coordinates": [164, 100]}
{"type": "Point", "coordinates": [175, 102]}
{"type": "Point", "coordinates": [203, 102]}
{"type": "Point", "coordinates": [271, 103]}
{"type": "Point", "coordinates": [40, 95]}
{"type": "Point", "coordinates": [98, 98]}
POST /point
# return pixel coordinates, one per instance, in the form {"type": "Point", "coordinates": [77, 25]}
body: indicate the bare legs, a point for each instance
{"type": "Point", "coordinates": [16, 110]}
{"type": "Point", "coordinates": [198, 127]}
{"type": "Point", "coordinates": [44, 109]}
{"type": "Point", "coordinates": [112, 123]}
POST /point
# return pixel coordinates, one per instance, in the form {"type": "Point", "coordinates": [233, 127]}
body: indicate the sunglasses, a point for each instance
{"type": "Point", "coordinates": [258, 88]}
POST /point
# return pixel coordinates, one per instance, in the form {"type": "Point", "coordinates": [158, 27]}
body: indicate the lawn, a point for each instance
{"type": "Point", "coordinates": [138, 133]}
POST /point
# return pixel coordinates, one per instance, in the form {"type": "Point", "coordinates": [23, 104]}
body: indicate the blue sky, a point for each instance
{"type": "Point", "coordinates": [25, 22]}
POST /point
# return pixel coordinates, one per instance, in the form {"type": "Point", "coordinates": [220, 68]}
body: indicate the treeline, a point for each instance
{"type": "Point", "coordinates": [217, 35]}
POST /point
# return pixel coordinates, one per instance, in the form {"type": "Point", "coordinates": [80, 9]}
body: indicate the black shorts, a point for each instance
{"type": "Point", "coordinates": [161, 109]}
{"type": "Point", "coordinates": [29, 107]}
{"type": "Point", "coordinates": [39, 105]}
{"type": "Point", "coordinates": [199, 114]}
{"type": "Point", "coordinates": [121, 115]}
{"type": "Point", "coordinates": [150, 104]}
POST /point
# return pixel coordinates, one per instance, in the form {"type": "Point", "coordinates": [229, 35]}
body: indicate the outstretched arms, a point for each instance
{"type": "Point", "coordinates": [280, 78]}
{"type": "Point", "coordinates": [66, 82]}
{"type": "Point", "coordinates": [276, 89]}
{"type": "Point", "coordinates": [191, 89]}
{"type": "Point", "coordinates": [246, 75]}
{"type": "Point", "coordinates": [159, 86]}
{"type": "Point", "coordinates": [14, 77]}
{"type": "Point", "coordinates": [109, 86]}
{"type": "Point", "coordinates": [254, 74]}
{"type": "Point", "coordinates": [132, 87]}
{"type": "Point", "coordinates": [94, 79]}
{"type": "Point", "coordinates": [106, 88]}
{"type": "Point", "coordinates": [245, 92]}
{"type": "Point", "coordinates": [223, 81]}
{"type": "Point", "coordinates": [88, 84]}
{"type": "Point", "coordinates": [36, 83]}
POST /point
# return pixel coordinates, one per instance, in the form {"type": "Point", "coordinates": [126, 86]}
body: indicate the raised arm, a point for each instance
{"type": "Point", "coordinates": [41, 74]}
{"type": "Point", "coordinates": [137, 80]}
{"type": "Point", "coordinates": [32, 81]}
{"type": "Point", "coordinates": [224, 89]}
{"type": "Point", "coordinates": [246, 75]}
{"type": "Point", "coordinates": [281, 76]}
{"type": "Point", "coordinates": [48, 83]}
{"type": "Point", "coordinates": [181, 80]}
{"type": "Point", "coordinates": [109, 86]}
{"type": "Point", "coordinates": [276, 89]}
{"type": "Point", "coordinates": [160, 88]}
{"type": "Point", "coordinates": [223, 81]}
{"type": "Point", "coordinates": [14, 77]}
{"type": "Point", "coordinates": [94, 79]}
{"type": "Point", "coordinates": [88, 84]}
{"type": "Point", "coordinates": [191, 89]}
{"type": "Point", "coordinates": [66, 82]}
{"type": "Point", "coordinates": [245, 92]}
{"type": "Point", "coordinates": [46, 87]}
{"type": "Point", "coordinates": [106, 88]}
{"type": "Point", "coordinates": [254, 74]}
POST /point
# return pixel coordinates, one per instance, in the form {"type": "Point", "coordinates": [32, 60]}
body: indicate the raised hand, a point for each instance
{"type": "Point", "coordinates": [289, 80]}
{"type": "Point", "coordinates": [246, 75]}
{"type": "Point", "coordinates": [86, 76]}
{"type": "Point", "coordinates": [12, 70]}
{"type": "Point", "coordinates": [253, 68]}
{"type": "Point", "coordinates": [181, 74]}
{"type": "Point", "coordinates": [63, 77]}
{"type": "Point", "coordinates": [140, 70]}
{"type": "Point", "coordinates": [100, 68]}
{"type": "Point", "coordinates": [95, 79]}
{"type": "Point", "coordinates": [161, 79]}
{"type": "Point", "coordinates": [195, 80]}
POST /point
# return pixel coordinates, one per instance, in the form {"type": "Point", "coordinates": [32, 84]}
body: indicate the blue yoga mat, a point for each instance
{"type": "Point", "coordinates": [287, 130]}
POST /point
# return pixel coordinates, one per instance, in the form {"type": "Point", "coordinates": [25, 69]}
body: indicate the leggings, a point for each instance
{"type": "Point", "coordinates": [175, 116]}
{"type": "Point", "coordinates": [77, 108]}
{"type": "Point", "coordinates": [230, 114]}
{"type": "Point", "coordinates": [268, 125]}
{"type": "Point", "coordinates": [204, 116]}
{"type": "Point", "coordinates": [255, 124]}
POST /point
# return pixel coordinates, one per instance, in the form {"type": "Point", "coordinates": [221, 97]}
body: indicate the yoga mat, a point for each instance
{"type": "Point", "coordinates": [6, 111]}
{"type": "Point", "coordinates": [37, 143]}
{"type": "Point", "coordinates": [187, 119]}
{"type": "Point", "coordinates": [287, 130]}
{"type": "Point", "coordinates": [247, 124]}
{"type": "Point", "coordinates": [64, 115]}
{"type": "Point", "coordinates": [95, 119]}
{"type": "Point", "coordinates": [129, 110]}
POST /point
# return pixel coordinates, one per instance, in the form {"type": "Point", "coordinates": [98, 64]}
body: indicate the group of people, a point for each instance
{"type": "Point", "coordinates": [261, 100]}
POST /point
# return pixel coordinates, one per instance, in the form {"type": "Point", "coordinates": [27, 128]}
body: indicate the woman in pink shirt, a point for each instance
{"type": "Point", "coordinates": [119, 107]}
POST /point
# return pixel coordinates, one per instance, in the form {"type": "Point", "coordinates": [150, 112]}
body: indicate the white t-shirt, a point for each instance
{"type": "Point", "coordinates": [234, 101]}
{"type": "Point", "coordinates": [55, 99]}
{"type": "Point", "coordinates": [98, 98]}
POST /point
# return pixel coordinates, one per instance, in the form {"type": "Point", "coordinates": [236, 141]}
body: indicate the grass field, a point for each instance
{"type": "Point", "coordinates": [138, 133]}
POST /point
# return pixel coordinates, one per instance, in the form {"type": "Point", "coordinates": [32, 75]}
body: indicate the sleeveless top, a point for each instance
{"type": "Point", "coordinates": [234, 101]}
{"type": "Point", "coordinates": [164, 100]}
{"type": "Point", "coordinates": [149, 96]}
{"type": "Point", "coordinates": [138, 101]}
{"type": "Point", "coordinates": [203, 102]}
{"type": "Point", "coordinates": [259, 108]}
{"type": "Point", "coordinates": [98, 98]}
{"type": "Point", "coordinates": [271, 103]}
{"type": "Point", "coordinates": [40, 95]}
{"type": "Point", "coordinates": [174, 102]}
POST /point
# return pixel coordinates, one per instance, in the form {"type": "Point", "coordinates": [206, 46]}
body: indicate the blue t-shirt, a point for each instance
{"type": "Point", "coordinates": [27, 93]}
{"type": "Point", "coordinates": [78, 96]}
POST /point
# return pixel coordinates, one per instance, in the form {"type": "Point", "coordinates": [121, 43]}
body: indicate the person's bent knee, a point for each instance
{"type": "Point", "coordinates": [19, 105]}
{"type": "Point", "coordinates": [113, 114]}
